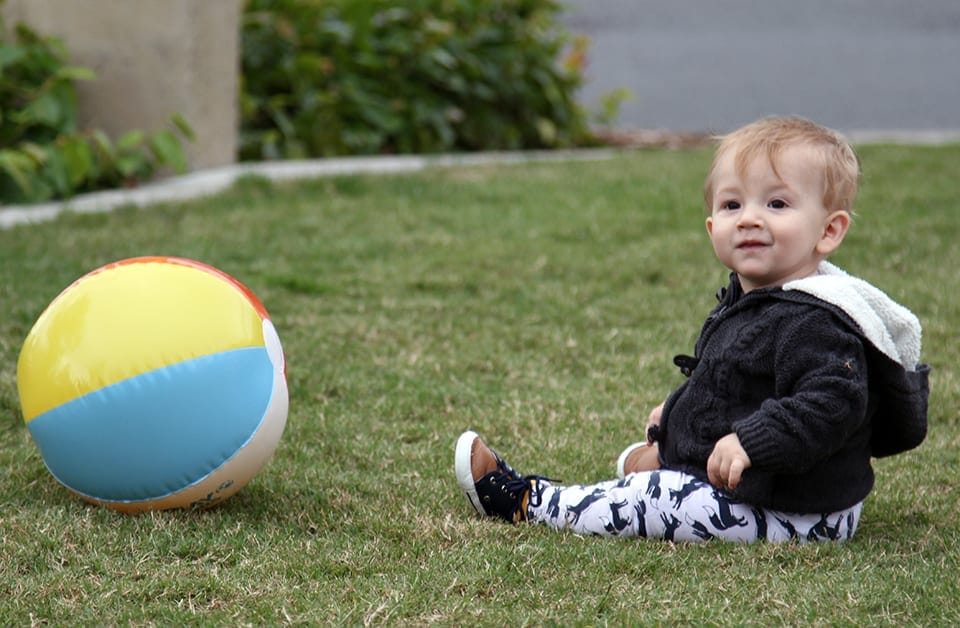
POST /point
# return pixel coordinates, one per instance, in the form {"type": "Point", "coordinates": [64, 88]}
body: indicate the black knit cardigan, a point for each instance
{"type": "Point", "coordinates": [810, 399]}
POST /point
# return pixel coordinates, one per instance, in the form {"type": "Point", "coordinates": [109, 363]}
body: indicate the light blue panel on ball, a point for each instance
{"type": "Point", "coordinates": [152, 435]}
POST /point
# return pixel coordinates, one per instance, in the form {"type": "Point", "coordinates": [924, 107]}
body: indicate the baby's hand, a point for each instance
{"type": "Point", "coordinates": [654, 419]}
{"type": "Point", "coordinates": [726, 464]}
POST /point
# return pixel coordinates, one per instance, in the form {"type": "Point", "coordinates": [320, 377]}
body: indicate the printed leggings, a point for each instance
{"type": "Point", "coordinates": [675, 506]}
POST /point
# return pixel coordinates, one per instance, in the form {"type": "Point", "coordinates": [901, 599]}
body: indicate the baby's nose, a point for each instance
{"type": "Point", "coordinates": [750, 216]}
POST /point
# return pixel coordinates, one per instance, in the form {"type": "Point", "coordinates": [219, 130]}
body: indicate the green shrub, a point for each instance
{"type": "Point", "coordinates": [334, 77]}
{"type": "Point", "coordinates": [43, 155]}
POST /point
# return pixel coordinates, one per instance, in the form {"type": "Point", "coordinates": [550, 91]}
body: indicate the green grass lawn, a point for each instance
{"type": "Point", "coordinates": [540, 304]}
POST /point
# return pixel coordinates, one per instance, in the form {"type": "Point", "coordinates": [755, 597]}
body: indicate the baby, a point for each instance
{"type": "Point", "coordinates": [800, 375]}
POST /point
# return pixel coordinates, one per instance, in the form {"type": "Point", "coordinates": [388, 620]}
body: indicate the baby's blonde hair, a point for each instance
{"type": "Point", "coordinates": [770, 136]}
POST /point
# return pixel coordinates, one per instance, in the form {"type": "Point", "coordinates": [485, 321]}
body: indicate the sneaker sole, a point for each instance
{"type": "Point", "coordinates": [622, 460]}
{"type": "Point", "coordinates": [463, 468]}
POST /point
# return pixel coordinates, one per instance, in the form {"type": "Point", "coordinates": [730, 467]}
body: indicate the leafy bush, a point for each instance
{"type": "Point", "coordinates": [43, 155]}
{"type": "Point", "coordinates": [333, 77]}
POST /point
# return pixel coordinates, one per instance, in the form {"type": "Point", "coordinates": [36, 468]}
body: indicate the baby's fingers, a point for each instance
{"type": "Point", "coordinates": [735, 473]}
{"type": "Point", "coordinates": [715, 471]}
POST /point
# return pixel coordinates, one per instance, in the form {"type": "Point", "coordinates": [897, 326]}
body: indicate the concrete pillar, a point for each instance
{"type": "Point", "coordinates": [153, 58]}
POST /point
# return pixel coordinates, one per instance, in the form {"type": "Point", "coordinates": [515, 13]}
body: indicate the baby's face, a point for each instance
{"type": "Point", "coordinates": [769, 226]}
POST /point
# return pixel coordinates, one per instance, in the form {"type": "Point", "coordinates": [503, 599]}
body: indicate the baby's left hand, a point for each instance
{"type": "Point", "coordinates": [726, 464]}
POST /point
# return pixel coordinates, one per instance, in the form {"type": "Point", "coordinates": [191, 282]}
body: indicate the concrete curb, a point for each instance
{"type": "Point", "coordinates": [207, 182]}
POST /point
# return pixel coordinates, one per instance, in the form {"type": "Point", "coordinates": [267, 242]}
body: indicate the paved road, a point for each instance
{"type": "Point", "coordinates": [712, 65]}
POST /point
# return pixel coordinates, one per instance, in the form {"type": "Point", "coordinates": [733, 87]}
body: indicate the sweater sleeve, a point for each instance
{"type": "Point", "coordinates": [820, 373]}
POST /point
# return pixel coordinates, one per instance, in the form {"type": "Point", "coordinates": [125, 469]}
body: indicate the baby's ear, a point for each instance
{"type": "Point", "coordinates": [834, 231]}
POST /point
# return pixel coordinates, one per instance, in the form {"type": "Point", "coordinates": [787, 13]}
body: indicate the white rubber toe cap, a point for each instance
{"type": "Point", "coordinates": [623, 457]}
{"type": "Point", "coordinates": [462, 466]}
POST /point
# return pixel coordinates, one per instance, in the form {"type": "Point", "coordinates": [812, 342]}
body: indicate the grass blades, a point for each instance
{"type": "Point", "coordinates": [539, 304]}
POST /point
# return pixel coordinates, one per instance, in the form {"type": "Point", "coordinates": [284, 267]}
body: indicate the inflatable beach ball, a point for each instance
{"type": "Point", "coordinates": [154, 383]}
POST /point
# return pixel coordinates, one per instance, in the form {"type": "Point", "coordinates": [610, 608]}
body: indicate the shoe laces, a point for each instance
{"type": "Point", "coordinates": [516, 492]}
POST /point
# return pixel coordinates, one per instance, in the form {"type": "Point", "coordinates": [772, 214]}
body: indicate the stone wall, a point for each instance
{"type": "Point", "coordinates": [153, 58]}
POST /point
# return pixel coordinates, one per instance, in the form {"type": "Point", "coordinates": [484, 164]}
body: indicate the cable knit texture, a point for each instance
{"type": "Point", "coordinates": [805, 387]}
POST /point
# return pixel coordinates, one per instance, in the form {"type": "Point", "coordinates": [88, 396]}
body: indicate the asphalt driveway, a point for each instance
{"type": "Point", "coordinates": [709, 65]}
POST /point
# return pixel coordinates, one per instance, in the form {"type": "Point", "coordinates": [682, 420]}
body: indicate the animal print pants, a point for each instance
{"type": "Point", "coordinates": [675, 506]}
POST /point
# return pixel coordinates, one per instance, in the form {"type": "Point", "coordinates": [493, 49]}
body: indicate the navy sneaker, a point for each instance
{"type": "Point", "coordinates": [492, 487]}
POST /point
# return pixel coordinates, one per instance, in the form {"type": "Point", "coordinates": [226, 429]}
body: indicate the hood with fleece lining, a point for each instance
{"type": "Point", "coordinates": [893, 329]}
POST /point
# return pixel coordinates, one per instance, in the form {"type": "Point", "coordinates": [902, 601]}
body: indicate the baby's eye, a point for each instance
{"type": "Point", "coordinates": [777, 203]}
{"type": "Point", "coordinates": [730, 205]}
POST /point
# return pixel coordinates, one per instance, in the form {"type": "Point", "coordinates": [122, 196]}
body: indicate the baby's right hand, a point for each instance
{"type": "Point", "coordinates": [653, 420]}
{"type": "Point", "coordinates": [727, 462]}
